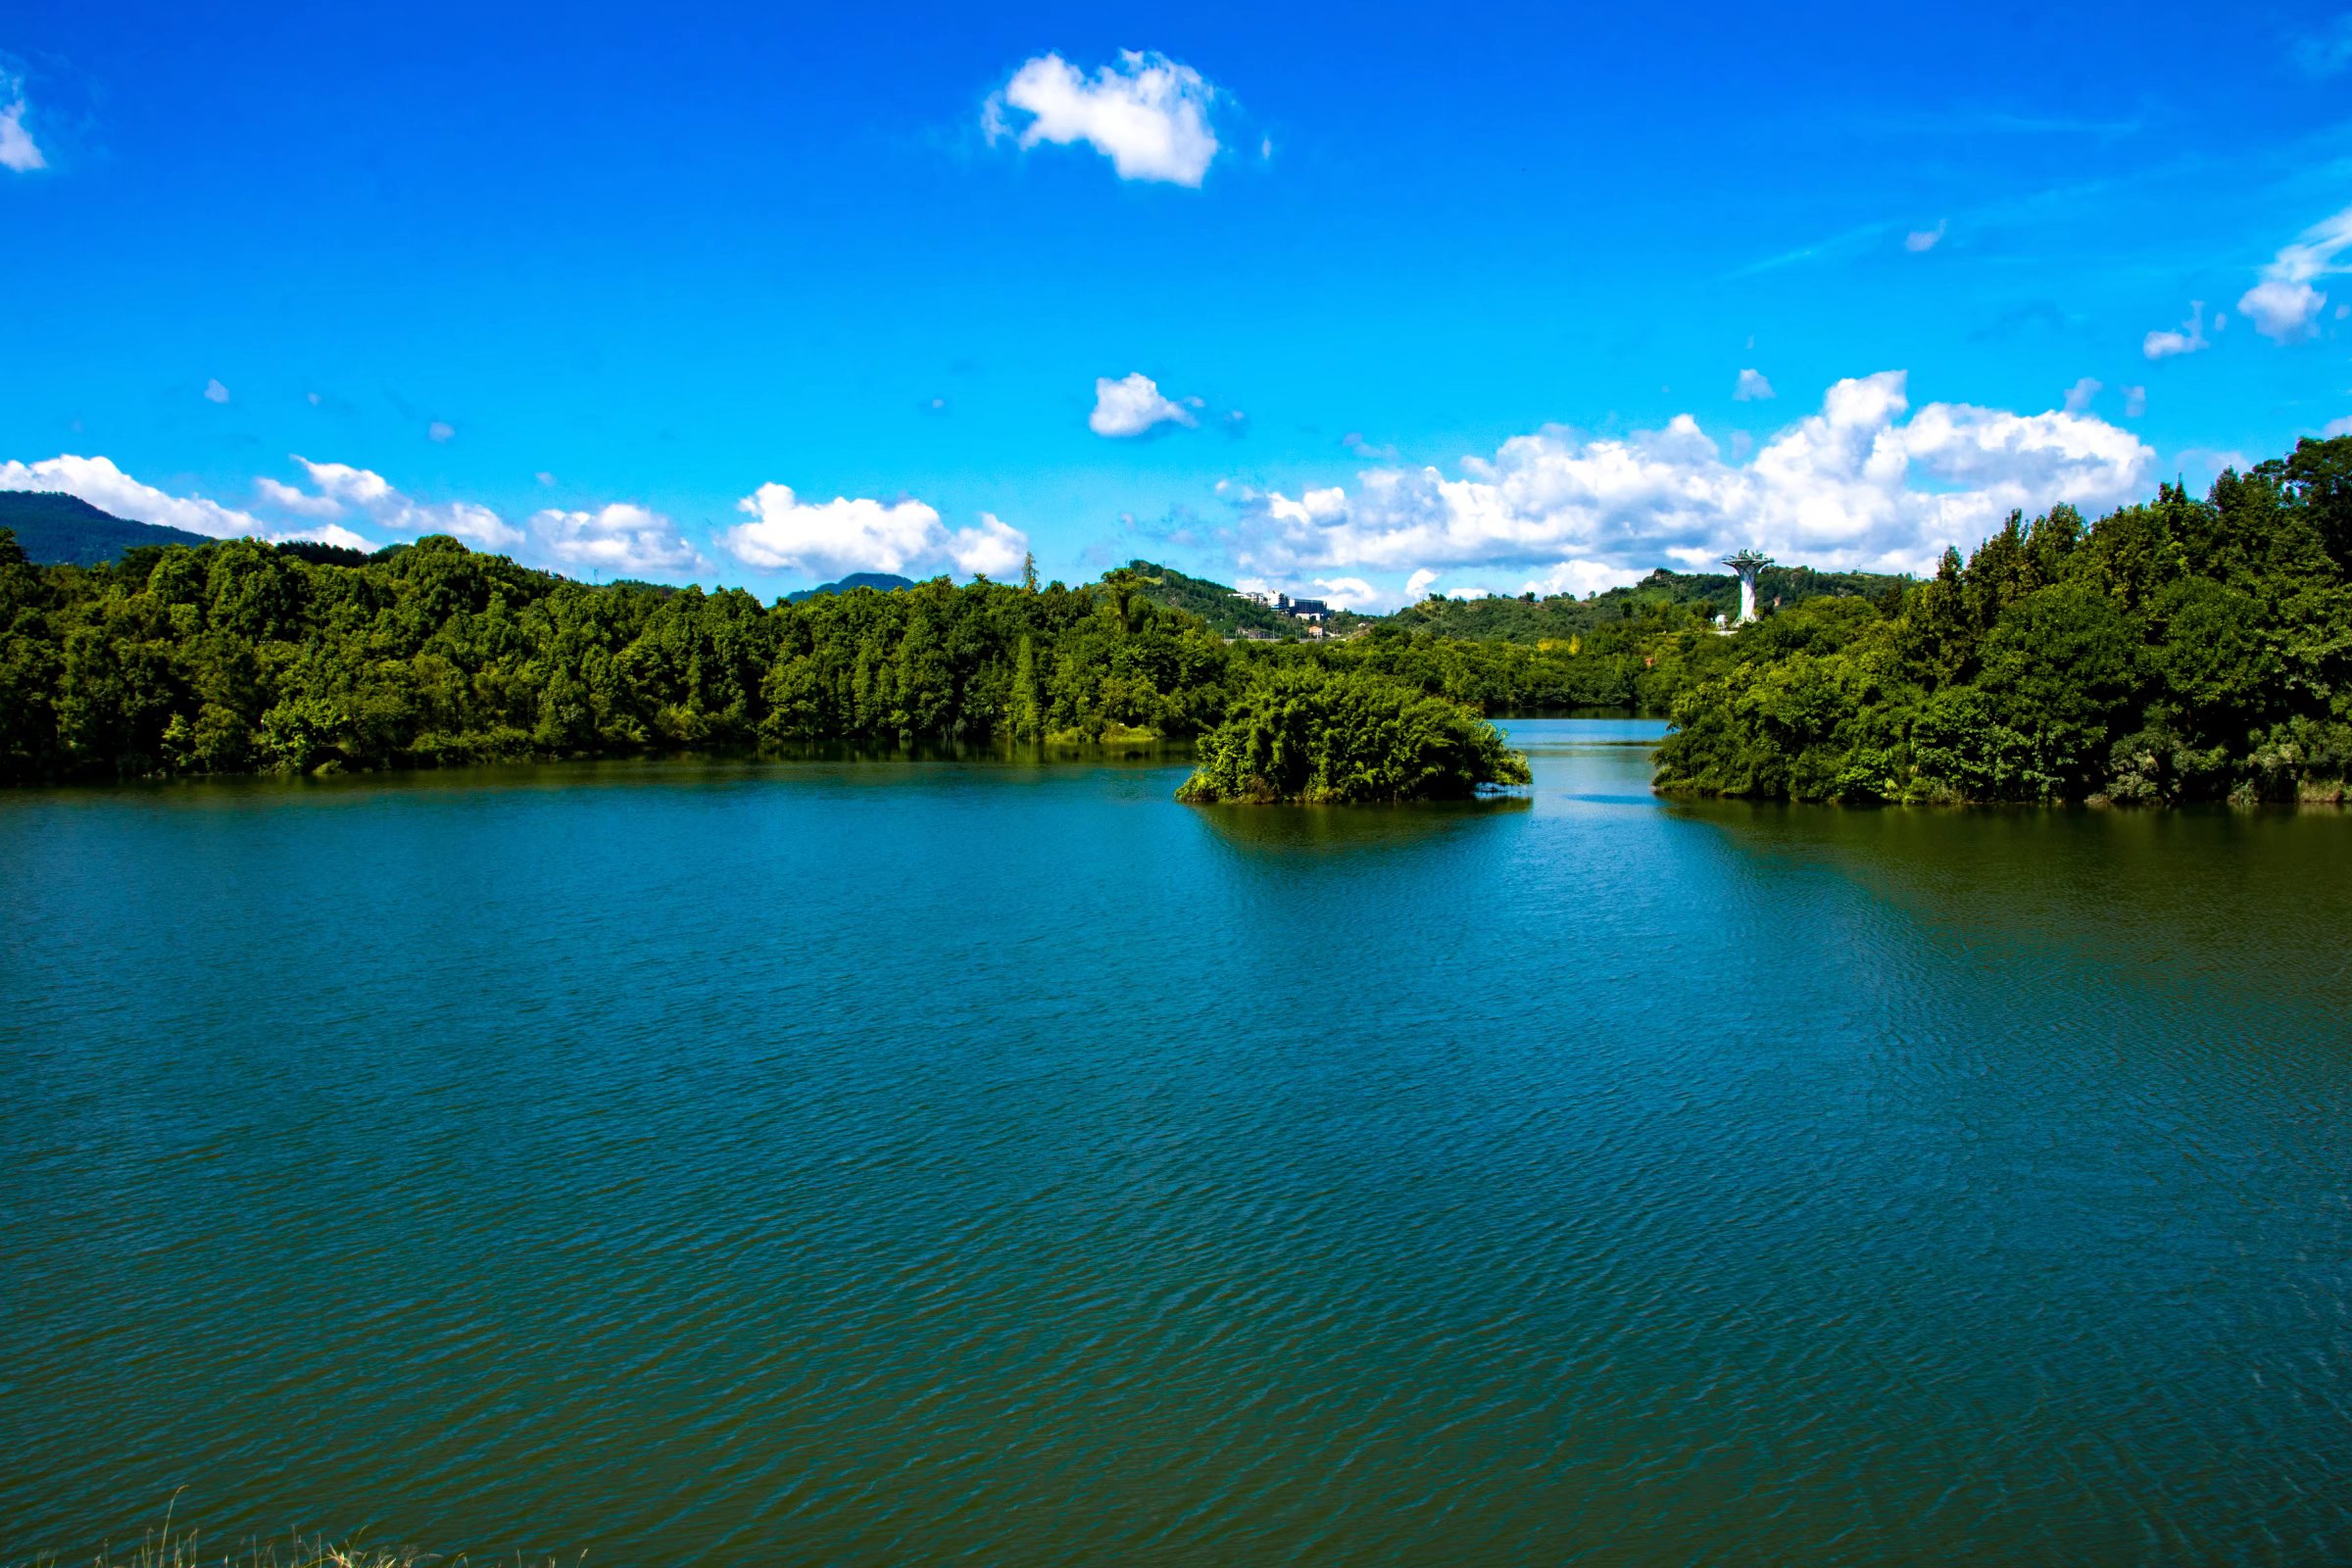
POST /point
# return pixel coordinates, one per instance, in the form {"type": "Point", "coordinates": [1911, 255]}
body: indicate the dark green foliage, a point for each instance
{"type": "Point", "coordinates": [66, 530]}
{"type": "Point", "coordinates": [324, 555]}
{"type": "Point", "coordinates": [2175, 651]}
{"type": "Point", "coordinates": [1302, 732]}
{"type": "Point", "coordinates": [239, 657]}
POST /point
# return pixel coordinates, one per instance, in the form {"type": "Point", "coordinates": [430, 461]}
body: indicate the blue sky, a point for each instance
{"type": "Point", "coordinates": [1380, 299]}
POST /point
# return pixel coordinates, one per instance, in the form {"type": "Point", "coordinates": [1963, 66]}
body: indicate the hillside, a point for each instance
{"type": "Point", "coordinates": [1562, 617]}
{"type": "Point", "coordinates": [61, 530]}
{"type": "Point", "coordinates": [1227, 615]}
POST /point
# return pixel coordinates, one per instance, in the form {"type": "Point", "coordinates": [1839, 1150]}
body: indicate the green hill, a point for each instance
{"type": "Point", "coordinates": [1530, 619]}
{"type": "Point", "coordinates": [879, 581]}
{"type": "Point", "coordinates": [1228, 615]}
{"type": "Point", "coordinates": [61, 530]}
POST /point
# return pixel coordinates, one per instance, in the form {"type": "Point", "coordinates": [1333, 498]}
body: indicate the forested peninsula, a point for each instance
{"type": "Point", "coordinates": [2174, 651]}
{"type": "Point", "coordinates": [2178, 650]}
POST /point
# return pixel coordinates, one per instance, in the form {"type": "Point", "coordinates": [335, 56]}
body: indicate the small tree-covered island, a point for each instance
{"type": "Point", "coordinates": [2178, 650]}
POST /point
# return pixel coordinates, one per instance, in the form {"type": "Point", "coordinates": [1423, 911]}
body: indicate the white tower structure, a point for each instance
{"type": "Point", "coordinates": [1748, 563]}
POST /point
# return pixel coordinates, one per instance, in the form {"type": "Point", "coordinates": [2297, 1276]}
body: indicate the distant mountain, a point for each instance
{"type": "Point", "coordinates": [59, 530]}
{"type": "Point", "coordinates": [880, 581]}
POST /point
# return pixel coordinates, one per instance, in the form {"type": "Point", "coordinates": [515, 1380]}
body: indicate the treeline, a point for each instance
{"type": "Point", "coordinates": [2179, 649]}
{"type": "Point", "coordinates": [2174, 651]}
{"type": "Point", "coordinates": [1563, 619]}
{"type": "Point", "coordinates": [241, 657]}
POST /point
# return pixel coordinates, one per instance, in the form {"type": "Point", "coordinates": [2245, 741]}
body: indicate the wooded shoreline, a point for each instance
{"type": "Point", "coordinates": [2173, 651]}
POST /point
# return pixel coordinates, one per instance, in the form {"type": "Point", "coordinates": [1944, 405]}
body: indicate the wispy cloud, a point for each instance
{"type": "Point", "coordinates": [339, 488]}
{"type": "Point", "coordinates": [1852, 239]}
{"type": "Point", "coordinates": [2188, 339]}
{"type": "Point", "coordinates": [17, 150]}
{"type": "Point", "coordinates": [2327, 51]}
{"type": "Point", "coordinates": [2284, 305]}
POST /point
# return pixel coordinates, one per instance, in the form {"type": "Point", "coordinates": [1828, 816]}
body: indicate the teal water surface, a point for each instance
{"type": "Point", "coordinates": [876, 1162]}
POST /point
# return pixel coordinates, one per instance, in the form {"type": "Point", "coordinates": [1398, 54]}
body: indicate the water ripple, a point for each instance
{"type": "Point", "coordinates": [849, 1164]}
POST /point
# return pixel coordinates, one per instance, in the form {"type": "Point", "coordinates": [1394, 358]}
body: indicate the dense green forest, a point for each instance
{"type": "Point", "coordinates": [241, 657]}
{"type": "Point", "coordinates": [2178, 650]}
{"type": "Point", "coordinates": [1556, 619]}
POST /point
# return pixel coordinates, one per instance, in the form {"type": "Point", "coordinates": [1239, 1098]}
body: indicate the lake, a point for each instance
{"type": "Point", "coordinates": [881, 1162]}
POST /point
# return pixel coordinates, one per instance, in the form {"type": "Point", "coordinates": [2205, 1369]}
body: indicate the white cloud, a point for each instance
{"type": "Point", "coordinates": [2336, 428]}
{"type": "Point", "coordinates": [440, 430]}
{"type": "Point", "coordinates": [994, 549]}
{"type": "Point", "coordinates": [2135, 402]}
{"type": "Point", "coordinates": [2282, 311]}
{"type": "Point", "coordinates": [1751, 387]}
{"type": "Point", "coordinates": [1420, 583]}
{"type": "Point", "coordinates": [107, 488]}
{"type": "Point", "coordinates": [1923, 239]}
{"type": "Point", "coordinates": [340, 485]}
{"type": "Point", "coordinates": [828, 538]}
{"type": "Point", "coordinates": [2079, 396]}
{"type": "Point", "coordinates": [1581, 578]}
{"type": "Point", "coordinates": [1350, 593]}
{"type": "Point", "coordinates": [214, 392]}
{"type": "Point", "coordinates": [1855, 485]}
{"type": "Point", "coordinates": [1146, 114]}
{"type": "Point", "coordinates": [544, 477]}
{"type": "Point", "coordinates": [285, 498]}
{"type": "Point", "coordinates": [1132, 405]}
{"type": "Point", "coordinates": [1354, 442]}
{"type": "Point", "coordinates": [2285, 306]}
{"type": "Point", "coordinates": [327, 533]}
{"type": "Point", "coordinates": [17, 150]}
{"type": "Point", "coordinates": [2188, 340]}
{"type": "Point", "coordinates": [620, 538]}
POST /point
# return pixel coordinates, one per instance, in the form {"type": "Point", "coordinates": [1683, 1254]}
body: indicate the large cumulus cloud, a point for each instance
{"type": "Point", "coordinates": [1854, 485]}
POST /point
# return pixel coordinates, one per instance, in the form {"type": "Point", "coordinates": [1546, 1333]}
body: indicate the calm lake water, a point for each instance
{"type": "Point", "coordinates": [884, 1163]}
